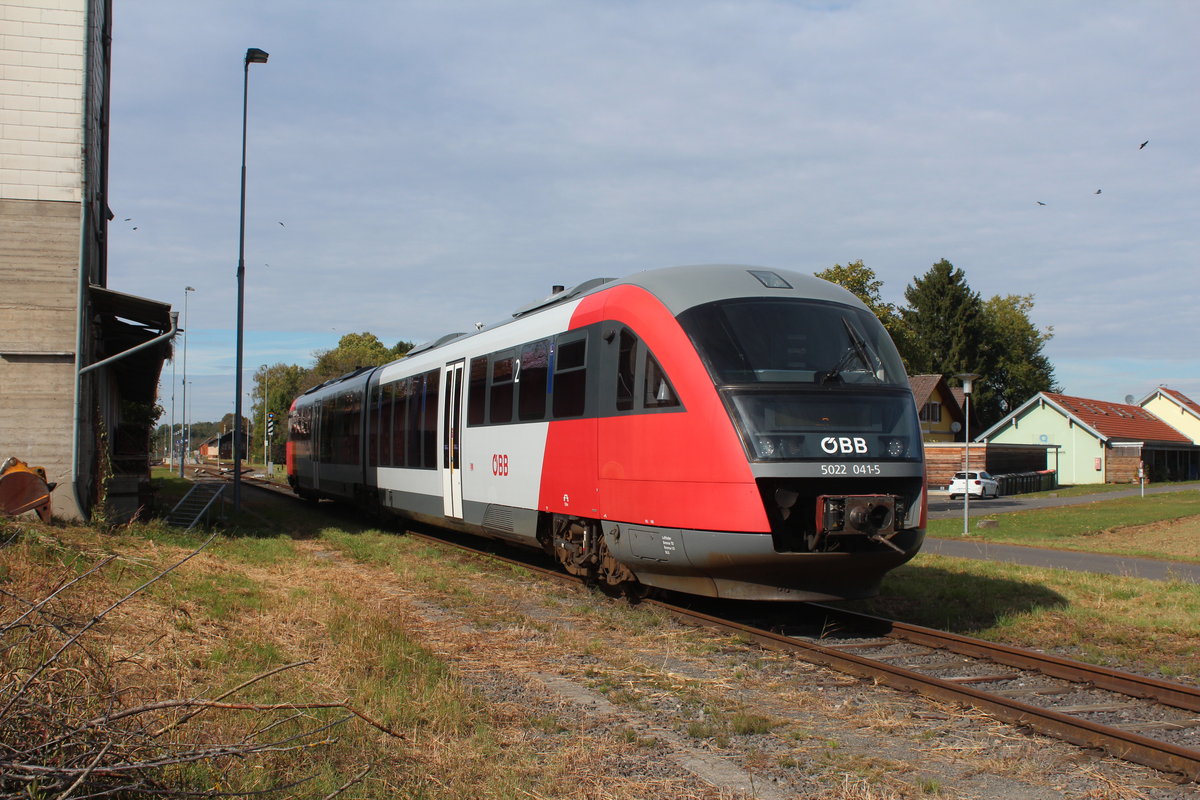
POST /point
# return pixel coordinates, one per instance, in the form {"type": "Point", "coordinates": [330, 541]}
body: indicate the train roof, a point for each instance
{"type": "Point", "coordinates": [681, 288]}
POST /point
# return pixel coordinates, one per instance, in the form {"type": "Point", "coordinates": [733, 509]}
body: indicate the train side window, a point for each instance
{"type": "Point", "coordinates": [384, 411]}
{"type": "Point", "coordinates": [416, 401]}
{"type": "Point", "coordinates": [326, 429]}
{"type": "Point", "coordinates": [373, 433]}
{"type": "Point", "coordinates": [429, 422]}
{"type": "Point", "coordinates": [626, 369]}
{"type": "Point", "coordinates": [477, 392]}
{"type": "Point", "coordinates": [403, 389]}
{"type": "Point", "coordinates": [659, 391]}
{"type": "Point", "coordinates": [502, 388]}
{"type": "Point", "coordinates": [535, 361]}
{"type": "Point", "coordinates": [350, 408]}
{"type": "Point", "coordinates": [570, 376]}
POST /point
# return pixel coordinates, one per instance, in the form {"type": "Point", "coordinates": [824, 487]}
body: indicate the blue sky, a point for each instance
{"type": "Point", "coordinates": [416, 167]}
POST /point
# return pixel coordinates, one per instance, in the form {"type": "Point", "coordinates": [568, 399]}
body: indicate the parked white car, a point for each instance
{"type": "Point", "coordinates": [979, 484]}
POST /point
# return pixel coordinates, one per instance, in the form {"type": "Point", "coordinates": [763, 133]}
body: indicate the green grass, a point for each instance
{"type": "Point", "coordinates": [1076, 527]}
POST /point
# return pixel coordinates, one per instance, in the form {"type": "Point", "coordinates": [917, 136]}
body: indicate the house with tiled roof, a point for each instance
{"type": "Point", "coordinates": [1097, 441]}
{"type": "Point", "coordinates": [940, 413]}
{"type": "Point", "coordinates": [1176, 409]}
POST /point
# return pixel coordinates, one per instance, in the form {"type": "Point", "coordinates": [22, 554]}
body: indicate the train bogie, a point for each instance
{"type": "Point", "coordinates": [716, 430]}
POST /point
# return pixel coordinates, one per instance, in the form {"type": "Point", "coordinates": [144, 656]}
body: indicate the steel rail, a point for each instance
{"type": "Point", "coordinates": [1126, 745]}
{"type": "Point", "coordinates": [1120, 743]}
{"type": "Point", "coordinates": [1143, 686]}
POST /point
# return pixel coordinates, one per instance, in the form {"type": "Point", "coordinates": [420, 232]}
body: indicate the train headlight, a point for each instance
{"type": "Point", "coordinates": [895, 446]}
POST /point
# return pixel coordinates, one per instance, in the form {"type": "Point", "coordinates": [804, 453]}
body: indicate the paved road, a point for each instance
{"type": "Point", "coordinates": [941, 507]}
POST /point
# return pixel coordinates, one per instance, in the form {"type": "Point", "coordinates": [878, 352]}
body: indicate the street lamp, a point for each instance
{"type": "Point", "coordinates": [253, 56]}
{"type": "Point", "coordinates": [967, 379]}
{"type": "Point", "coordinates": [184, 427]}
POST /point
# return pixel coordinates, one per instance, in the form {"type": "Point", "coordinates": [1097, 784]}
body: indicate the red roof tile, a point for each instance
{"type": "Point", "coordinates": [1118, 420]}
{"type": "Point", "coordinates": [922, 387]}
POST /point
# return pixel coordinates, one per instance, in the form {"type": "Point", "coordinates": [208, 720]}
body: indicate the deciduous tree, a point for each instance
{"type": "Point", "coordinates": [1018, 367]}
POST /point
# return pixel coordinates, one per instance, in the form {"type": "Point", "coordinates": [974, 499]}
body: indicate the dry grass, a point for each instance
{"type": "Point", "coordinates": [451, 652]}
{"type": "Point", "coordinates": [78, 716]}
{"type": "Point", "coordinates": [1170, 539]}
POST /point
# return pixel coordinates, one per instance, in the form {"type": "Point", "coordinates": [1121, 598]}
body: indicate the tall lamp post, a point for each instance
{"type": "Point", "coordinates": [263, 367]}
{"type": "Point", "coordinates": [968, 379]}
{"type": "Point", "coordinates": [184, 427]}
{"type": "Point", "coordinates": [253, 56]}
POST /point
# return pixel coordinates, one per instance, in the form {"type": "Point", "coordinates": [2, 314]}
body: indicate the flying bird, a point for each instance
{"type": "Point", "coordinates": [1096, 192]}
{"type": "Point", "coordinates": [1040, 203]}
{"type": "Point", "coordinates": [1143, 144]}
{"type": "Point", "coordinates": [281, 223]}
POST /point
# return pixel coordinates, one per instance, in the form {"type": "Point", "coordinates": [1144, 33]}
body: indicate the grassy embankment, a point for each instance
{"type": "Point", "coordinates": [341, 597]}
{"type": "Point", "coordinates": [329, 593]}
{"type": "Point", "coordinates": [1155, 526]}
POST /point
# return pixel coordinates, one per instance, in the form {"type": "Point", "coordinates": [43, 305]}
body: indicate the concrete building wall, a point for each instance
{"type": "Point", "coordinates": [41, 99]}
{"type": "Point", "coordinates": [42, 76]}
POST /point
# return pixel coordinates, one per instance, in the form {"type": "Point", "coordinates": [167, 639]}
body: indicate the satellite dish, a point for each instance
{"type": "Point", "coordinates": [1128, 399]}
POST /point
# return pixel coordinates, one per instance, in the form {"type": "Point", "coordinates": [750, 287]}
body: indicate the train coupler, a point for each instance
{"type": "Point", "coordinates": [873, 516]}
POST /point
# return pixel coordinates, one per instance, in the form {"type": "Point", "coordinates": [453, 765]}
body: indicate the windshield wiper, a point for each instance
{"type": "Point", "coordinates": [858, 347]}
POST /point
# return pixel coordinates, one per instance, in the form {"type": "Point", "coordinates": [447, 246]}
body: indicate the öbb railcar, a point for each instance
{"type": "Point", "coordinates": [725, 431]}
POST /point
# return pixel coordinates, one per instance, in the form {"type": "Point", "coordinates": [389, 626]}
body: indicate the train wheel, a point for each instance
{"type": "Point", "coordinates": [579, 546]}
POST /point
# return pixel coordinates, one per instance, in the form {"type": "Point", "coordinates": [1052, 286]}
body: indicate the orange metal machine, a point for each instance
{"type": "Point", "coordinates": [24, 488]}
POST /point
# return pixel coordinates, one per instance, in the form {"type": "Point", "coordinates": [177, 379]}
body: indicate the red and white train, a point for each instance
{"type": "Point", "coordinates": [718, 430]}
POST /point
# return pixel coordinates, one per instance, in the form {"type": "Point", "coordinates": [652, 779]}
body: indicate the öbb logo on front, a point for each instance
{"type": "Point", "coordinates": [844, 444]}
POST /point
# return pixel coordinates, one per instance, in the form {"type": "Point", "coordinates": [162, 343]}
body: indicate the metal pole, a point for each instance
{"type": "Point", "coordinates": [259, 57]}
{"type": "Point", "coordinates": [171, 436]}
{"type": "Point", "coordinates": [183, 428]}
{"type": "Point", "coordinates": [968, 383]}
{"type": "Point", "coordinates": [967, 472]}
{"type": "Point", "coordinates": [264, 416]}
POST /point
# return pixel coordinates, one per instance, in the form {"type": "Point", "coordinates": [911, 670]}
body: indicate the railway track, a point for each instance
{"type": "Point", "coordinates": [1137, 718]}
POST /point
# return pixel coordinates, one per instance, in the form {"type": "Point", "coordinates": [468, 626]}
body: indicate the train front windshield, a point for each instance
{"type": "Point", "coordinates": [807, 380]}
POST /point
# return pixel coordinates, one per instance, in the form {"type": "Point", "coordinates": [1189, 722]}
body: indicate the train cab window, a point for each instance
{"type": "Point", "coordinates": [502, 389]}
{"type": "Point", "coordinates": [570, 375]}
{"type": "Point", "coordinates": [659, 393]}
{"type": "Point", "coordinates": [533, 380]}
{"type": "Point", "coordinates": [477, 392]}
{"type": "Point", "coordinates": [626, 369]}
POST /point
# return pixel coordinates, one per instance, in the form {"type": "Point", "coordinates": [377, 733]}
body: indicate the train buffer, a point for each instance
{"type": "Point", "coordinates": [24, 488]}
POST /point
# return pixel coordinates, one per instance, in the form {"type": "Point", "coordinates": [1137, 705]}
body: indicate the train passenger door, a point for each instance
{"type": "Point", "coordinates": [451, 436]}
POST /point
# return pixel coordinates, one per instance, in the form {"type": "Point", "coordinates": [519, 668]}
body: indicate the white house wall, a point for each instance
{"type": "Point", "coordinates": [1174, 415]}
{"type": "Point", "coordinates": [1081, 455]}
